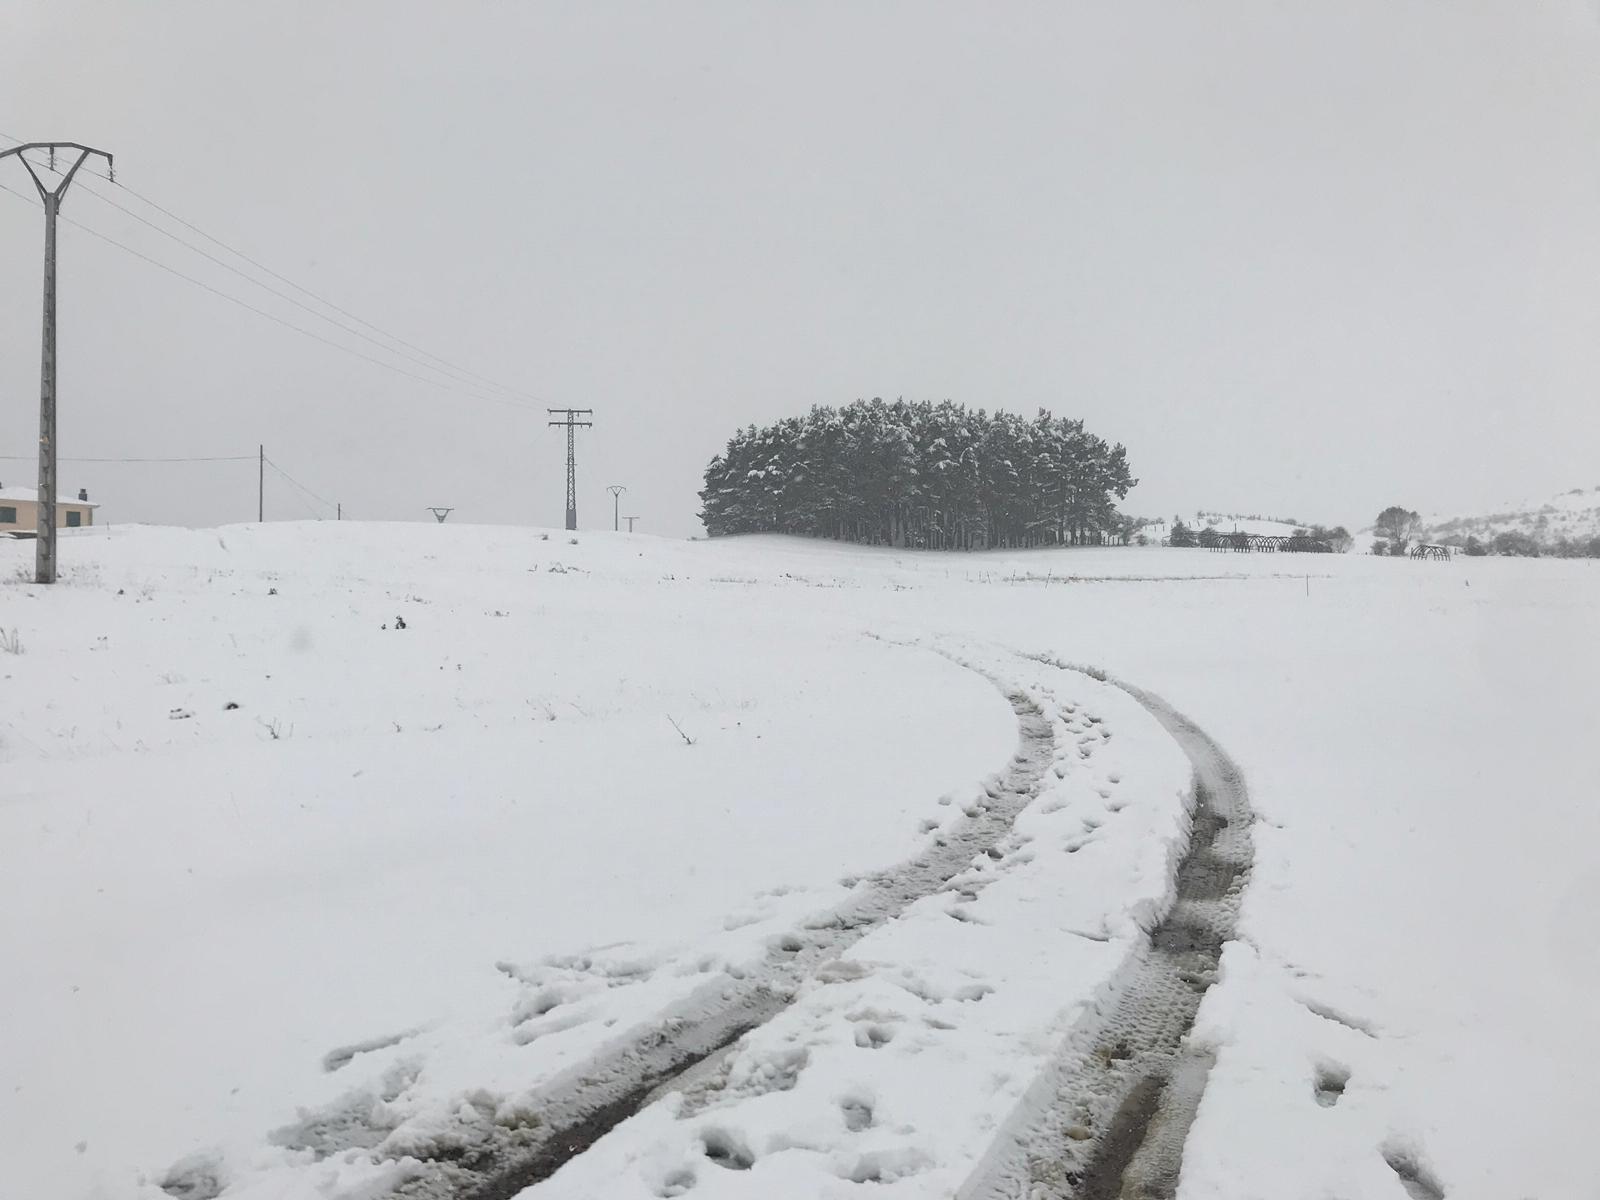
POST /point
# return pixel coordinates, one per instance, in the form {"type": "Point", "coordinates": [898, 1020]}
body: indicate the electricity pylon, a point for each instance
{"type": "Point", "coordinates": [44, 560]}
{"type": "Point", "coordinates": [570, 420]}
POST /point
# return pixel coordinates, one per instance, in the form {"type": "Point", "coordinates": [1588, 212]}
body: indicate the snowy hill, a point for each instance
{"type": "Point", "coordinates": [1269, 526]}
{"type": "Point", "coordinates": [1224, 523]}
{"type": "Point", "coordinates": [1574, 515]}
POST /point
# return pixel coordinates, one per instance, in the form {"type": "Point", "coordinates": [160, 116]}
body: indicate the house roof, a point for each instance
{"type": "Point", "coordinates": [29, 495]}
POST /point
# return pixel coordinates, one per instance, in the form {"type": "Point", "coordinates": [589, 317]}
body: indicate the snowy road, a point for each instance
{"type": "Point", "coordinates": [1110, 1117]}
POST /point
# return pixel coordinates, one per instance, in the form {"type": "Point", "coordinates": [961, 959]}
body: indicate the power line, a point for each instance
{"type": "Point", "coordinates": [209, 458]}
{"type": "Point", "coordinates": [483, 379]}
{"type": "Point", "coordinates": [287, 298]}
{"type": "Point", "coordinates": [474, 393]}
{"type": "Point", "coordinates": [298, 492]}
{"type": "Point", "coordinates": [261, 312]}
{"type": "Point", "coordinates": [298, 484]}
{"type": "Point", "coordinates": [302, 500]}
{"type": "Point", "coordinates": [290, 479]}
{"type": "Point", "coordinates": [460, 370]}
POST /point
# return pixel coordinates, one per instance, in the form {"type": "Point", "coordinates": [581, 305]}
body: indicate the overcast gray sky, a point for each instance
{"type": "Point", "coordinates": [1301, 258]}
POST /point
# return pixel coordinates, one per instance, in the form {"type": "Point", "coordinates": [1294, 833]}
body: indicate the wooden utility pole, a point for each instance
{"type": "Point", "coordinates": [630, 521]}
{"type": "Point", "coordinates": [616, 490]}
{"type": "Point", "coordinates": [570, 420]}
{"type": "Point", "coordinates": [261, 483]}
{"type": "Point", "coordinates": [44, 563]}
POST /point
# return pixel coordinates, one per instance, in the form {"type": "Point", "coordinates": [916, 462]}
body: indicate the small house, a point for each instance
{"type": "Point", "coordinates": [19, 511]}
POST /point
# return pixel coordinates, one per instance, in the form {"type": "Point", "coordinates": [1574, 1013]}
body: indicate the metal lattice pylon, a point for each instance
{"type": "Point", "coordinates": [570, 420]}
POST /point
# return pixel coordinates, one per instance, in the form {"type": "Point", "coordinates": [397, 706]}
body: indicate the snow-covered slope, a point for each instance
{"type": "Point", "coordinates": [1224, 523]}
{"type": "Point", "coordinates": [1574, 514]}
{"type": "Point", "coordinates": [1246, 523]}
{"type": "Point", "coordinates": [416, 874]}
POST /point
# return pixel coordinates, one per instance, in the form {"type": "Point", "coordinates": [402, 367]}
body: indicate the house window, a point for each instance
{"type": "Point", "coordinates": [8, 515]}
{"type": "Point", "coordinates": [74, 519]}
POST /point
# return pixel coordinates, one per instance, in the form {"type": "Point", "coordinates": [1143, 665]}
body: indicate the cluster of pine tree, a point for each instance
{"type": "Point", "coordinates": [922, 475]}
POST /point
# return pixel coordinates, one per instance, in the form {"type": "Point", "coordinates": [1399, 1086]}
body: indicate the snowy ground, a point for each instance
{"type": "Point", "coordinates": [484, 838]}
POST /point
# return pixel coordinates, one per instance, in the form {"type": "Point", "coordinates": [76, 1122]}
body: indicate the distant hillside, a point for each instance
{"type": "Point", "coordinates": [1573, 515]}
{"type": "Point", "coordinates": [1224, 523]}
{"type": "Point", "coordinates": [1261, 523]}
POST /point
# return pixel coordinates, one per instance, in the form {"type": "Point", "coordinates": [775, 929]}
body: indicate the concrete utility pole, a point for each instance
{"type": "Point", "coordinates": [570, 420]}
{"type": "Point", "coordinates": [44, 569]}
{"type": "Point", "coordinates": [616, 490]}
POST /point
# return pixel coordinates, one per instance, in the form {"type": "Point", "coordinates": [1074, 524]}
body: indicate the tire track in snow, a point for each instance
{"type": "Point", "coordinates": [1108, 1120]}
{"type": "Point", "coordinates": [579, 1107]}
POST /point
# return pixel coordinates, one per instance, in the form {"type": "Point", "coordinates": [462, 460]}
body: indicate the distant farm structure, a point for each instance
{"type": "Point", "coordinates": [1262, 543]}
{"type": "Point", "coordinates": [1265, 536]}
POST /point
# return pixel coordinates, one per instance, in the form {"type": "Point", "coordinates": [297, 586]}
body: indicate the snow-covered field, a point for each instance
{"type": "Point", "coordinates": [418, 873]}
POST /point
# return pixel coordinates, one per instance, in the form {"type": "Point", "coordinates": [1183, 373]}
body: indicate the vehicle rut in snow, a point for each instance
{"type": "Point", "coordinates": [580, 1107]}
{"type": "Point", "coordinates": [1110, 1117]}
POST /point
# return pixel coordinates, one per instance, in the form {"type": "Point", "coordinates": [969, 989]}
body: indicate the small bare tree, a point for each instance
{"type": "Point", "coordinates": [1397, 526]}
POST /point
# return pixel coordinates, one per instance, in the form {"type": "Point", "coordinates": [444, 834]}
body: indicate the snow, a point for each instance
{"type": "Point", "coordinates": [1574, 514]}
{"type": "Point", "coordinates": [29, 495]}
{"type": "Point", "coordinates": [404, 844]}
{"type": "Point", "coordinates": [903, 1058]}
{"type": "Point", "coordinates": [1427, 874]}
{"type": "Point", "coordinates": [1161, 528]}
{"type": "Point", "coordinates": [1232, 523]}
{"type": "Point", "coordinates": [390, 812]}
